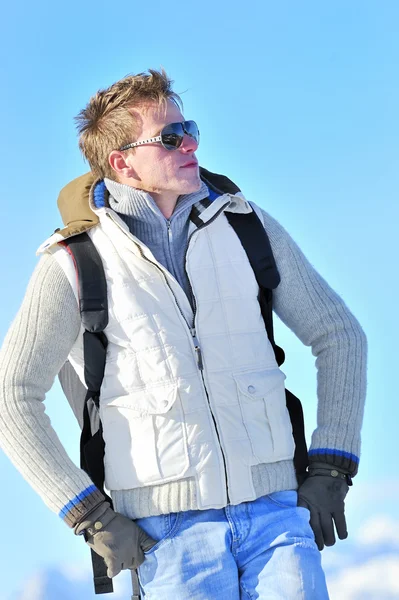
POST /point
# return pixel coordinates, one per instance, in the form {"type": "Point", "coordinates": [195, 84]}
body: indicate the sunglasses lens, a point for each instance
{"type": "Point", "coordinates": [191, 129]}
{"type": "Point", "coordinates": [172, 136]}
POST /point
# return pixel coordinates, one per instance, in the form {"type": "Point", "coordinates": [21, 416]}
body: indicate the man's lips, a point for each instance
{"type": "Point", "coordinates": [192, 163]}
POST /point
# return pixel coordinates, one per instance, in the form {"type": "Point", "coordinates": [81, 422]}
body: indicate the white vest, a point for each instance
{"type": "Point", "coordinates": [165, 415]}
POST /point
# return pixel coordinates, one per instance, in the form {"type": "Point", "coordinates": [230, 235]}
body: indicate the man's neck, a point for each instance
{"type": "Point", "coordinates": [166, 203]}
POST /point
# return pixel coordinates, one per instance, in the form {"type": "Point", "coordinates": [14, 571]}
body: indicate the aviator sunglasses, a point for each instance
{"type": "Point", "coordinates": [171, 136]}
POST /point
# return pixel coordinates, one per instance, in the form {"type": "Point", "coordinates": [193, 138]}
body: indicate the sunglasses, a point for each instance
{"type": "Point", "coordinates": [171, 136]}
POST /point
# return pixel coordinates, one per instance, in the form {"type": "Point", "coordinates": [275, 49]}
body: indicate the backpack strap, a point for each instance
{"type": "Point", "coordinates": [92, 285]}
{"type": "Point", "coordinates": [93, 305]}
{"type": "Point", "coordinates": [256, 244]}
{"type": "Point", "coordinates": [255, 241]}
{"type": "Point", "coordinates": [218, 183]}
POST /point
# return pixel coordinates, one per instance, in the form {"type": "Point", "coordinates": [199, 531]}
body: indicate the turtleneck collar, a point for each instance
{"type": "Point", "coordinates": [140, 205]}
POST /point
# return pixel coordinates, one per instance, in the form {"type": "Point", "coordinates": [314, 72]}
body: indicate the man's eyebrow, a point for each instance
{"type": "Point", "coordinates": [165, 125]}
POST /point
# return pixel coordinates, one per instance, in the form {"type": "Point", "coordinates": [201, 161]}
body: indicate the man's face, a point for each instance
{"type": "Point", "coordinates": [164, 173]}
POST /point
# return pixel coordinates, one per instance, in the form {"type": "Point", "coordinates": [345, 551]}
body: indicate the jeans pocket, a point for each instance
{"type": "Point", "coordinates": [161, 528]}
{"type": "Point", "coordinates": [284, 499]}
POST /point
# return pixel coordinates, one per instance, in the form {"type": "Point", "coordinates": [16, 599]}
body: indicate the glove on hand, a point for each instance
{"type": "Point", "coordinates": [323, 493]}
{"type": "Point", "coordinates": [116, 538]}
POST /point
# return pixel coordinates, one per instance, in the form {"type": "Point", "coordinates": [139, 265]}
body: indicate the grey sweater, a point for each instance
{"type": "Point", "coordinates": [37, 345]}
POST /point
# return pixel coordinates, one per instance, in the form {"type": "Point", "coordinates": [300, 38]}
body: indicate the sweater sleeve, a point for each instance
{"type": "Point", "coordinates": [34, 351]}
{"type": "Point", "coordinates": [321, 320]}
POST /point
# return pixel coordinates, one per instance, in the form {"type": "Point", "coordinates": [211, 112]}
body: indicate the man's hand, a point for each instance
{"type": "Point", "coordinates": [116, 538]}
{"type": "Point", "coordinates": [323, 493]}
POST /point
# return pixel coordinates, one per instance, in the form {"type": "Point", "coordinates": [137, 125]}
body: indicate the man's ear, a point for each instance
{"type": "Point", "coordinates": [118, 162]}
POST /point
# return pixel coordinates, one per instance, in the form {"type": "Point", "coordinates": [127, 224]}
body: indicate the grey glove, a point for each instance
{"type": "Point", "coordinates": [323, 493]}
{"type": "Point", "coordinates": [116, 538]}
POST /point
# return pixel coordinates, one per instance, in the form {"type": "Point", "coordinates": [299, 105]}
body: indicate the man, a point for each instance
{"type": "Point", "coordinates": [198, 441]}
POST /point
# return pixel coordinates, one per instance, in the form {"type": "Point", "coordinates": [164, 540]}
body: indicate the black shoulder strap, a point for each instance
{"type": "Point", "coordinates": [92, 285]}
{"type": "Point", "coordinates": [93, 305]}
{"type": "Point", "coordinates": [256, 244]}
{"type": "Point", "coordinates": [219, 183]}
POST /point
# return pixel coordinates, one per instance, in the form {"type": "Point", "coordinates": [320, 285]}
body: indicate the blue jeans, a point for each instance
{"type": "Point", "coordinates": [263, 549]}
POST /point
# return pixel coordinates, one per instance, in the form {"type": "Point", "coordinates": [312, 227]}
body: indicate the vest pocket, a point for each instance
{"type": "Point", "coordinates": [263, 404]}
{"type": "Point", "coordinates": [145, 438]}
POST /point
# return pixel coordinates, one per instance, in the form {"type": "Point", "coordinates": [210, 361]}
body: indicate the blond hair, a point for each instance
{"type": "Point", "coordinates": [107, 124]}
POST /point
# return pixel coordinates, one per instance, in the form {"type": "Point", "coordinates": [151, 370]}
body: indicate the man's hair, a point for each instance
{"type": "Point", "coordinates": [107, 124]}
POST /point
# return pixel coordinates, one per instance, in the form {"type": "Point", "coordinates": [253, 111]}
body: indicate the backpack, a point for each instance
{"type": "Point", "coordinates": [93, 307]}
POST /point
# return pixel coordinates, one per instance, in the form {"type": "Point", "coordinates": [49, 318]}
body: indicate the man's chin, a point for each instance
{"type": "Point", "coordinates": [198, 185]}
{"type": "Point", "coordinates": [190, 185]}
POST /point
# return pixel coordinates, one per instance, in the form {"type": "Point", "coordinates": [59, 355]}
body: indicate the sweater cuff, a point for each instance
{"type": "Point", "coordinates": [78, 507]}
{"type": "Point", "coordinates": [338, 458]}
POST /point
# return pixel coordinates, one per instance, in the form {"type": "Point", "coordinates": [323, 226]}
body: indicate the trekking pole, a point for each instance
{"type": "Point", "coordinates": [135, 585]}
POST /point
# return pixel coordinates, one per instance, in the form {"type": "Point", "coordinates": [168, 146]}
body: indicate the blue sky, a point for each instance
{"type": "Point", "coordinates": [296, 102]}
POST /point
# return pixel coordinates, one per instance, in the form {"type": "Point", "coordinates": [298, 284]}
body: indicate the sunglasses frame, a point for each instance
{"type": "Point", "coordinates": [158, 138]}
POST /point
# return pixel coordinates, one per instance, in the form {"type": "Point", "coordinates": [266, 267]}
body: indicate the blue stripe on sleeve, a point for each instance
{"type": "Point", "coordinates": [335, 453]}
{"type": "Point", "coordinates": [68, 507]}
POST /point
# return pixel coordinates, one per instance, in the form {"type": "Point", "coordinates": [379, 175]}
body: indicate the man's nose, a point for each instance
{"type": "Point", "coordinates": [188, 144]}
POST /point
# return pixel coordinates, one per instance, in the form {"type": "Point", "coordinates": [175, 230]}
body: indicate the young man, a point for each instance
{"type": "Point", "coordinates": [198, 441]}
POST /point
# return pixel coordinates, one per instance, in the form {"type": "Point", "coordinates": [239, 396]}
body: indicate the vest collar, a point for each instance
{"type": "Point", "coordinates": [97, 194]}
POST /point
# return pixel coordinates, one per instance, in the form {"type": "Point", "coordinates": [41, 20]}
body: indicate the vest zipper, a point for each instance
{"type": "Point", "coordinates": [201, 368]}
{"type": "Point", "coordinates": [185, 254]}
{"type": "Point", "coordinates": [198, 349]}
{"type": "Point", "coordinates": [193, 332]}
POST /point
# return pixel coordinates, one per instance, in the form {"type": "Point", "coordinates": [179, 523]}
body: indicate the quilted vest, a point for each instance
{"type": "Point", "coordinates": [186, 393]}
